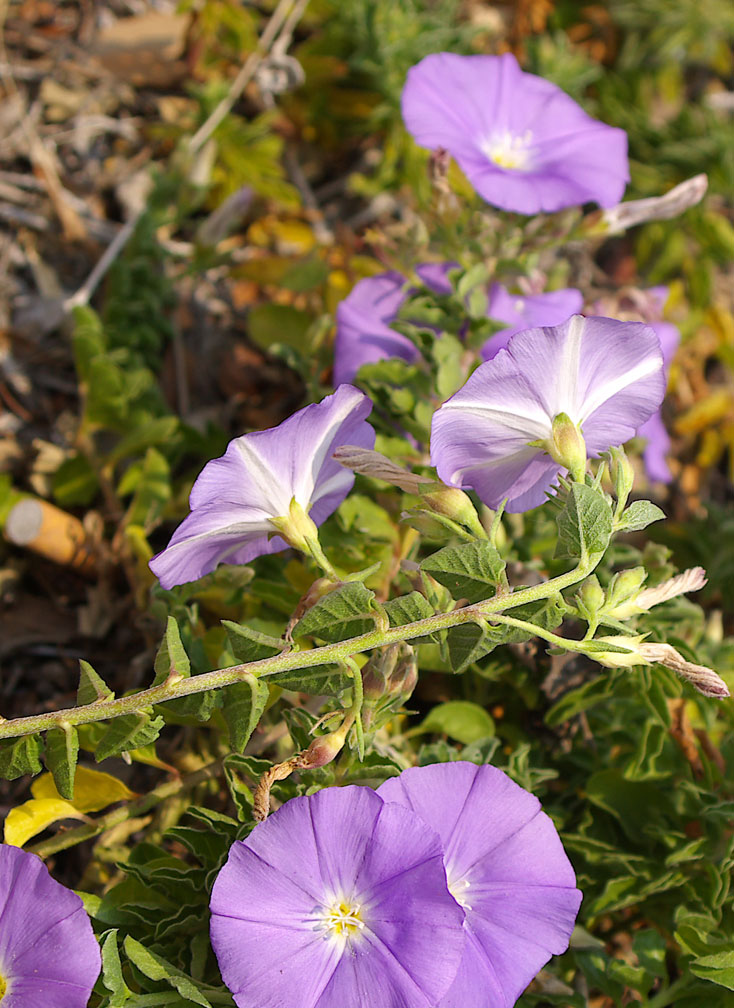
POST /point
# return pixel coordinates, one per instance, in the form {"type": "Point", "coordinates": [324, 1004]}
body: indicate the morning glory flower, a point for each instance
{"type": "Point", "coordinates": [494, 434]}
{"type": "Point", "coordinates": [523, 143]}
{"type": "Point", "coordinates": [337, 899]}
{"type": "Point", "coordinates": [505, 866]}
{"type": "Point", "coordinates": [282, 480]}
{"type": "Point", "coordinates": [49, 957]}
{"type": "Point", "coordinates": [364, 317]}
{"type": "Point", "coordinates": [526, 311]}
{"type": "Point", "coordinates": [658, 440]}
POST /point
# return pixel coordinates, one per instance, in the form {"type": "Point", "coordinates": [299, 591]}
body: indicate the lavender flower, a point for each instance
{"type": "Point", "coordinates": [49, 956]}
{"type": "Point", "coordinates": [363, 333]}
{"type": "Point", "coordinates": [494, 435]}
{"type": "Point", "coordinates": [521, 311]}
{"type": "Point", "coordinates": [658, 439]}
{"type": "Point", "coordinates": [522, 142]}
{"type": "Point", "coordinates": [246, 495]}
{"type": "Point", "coordinates": [337, 899]}
{"type": "Point", "coordinates": [363, 319]}
{"type": "Point", "coordinates": [506, 867]}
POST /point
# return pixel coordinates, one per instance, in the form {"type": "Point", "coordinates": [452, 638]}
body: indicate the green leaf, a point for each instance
{"type": "Point", "coordinates": [171, 657]}
{"type": "Point", "coordinates": [320, 679]}
{"type": "Point", "coordinates": [471, 571]}
{"type": "Point", "coordinates": [88, 340]}
{"type": "Point", "coordinates": [129, 731]}
{"type": "Point", "coordinates": [469, 642]}
{"type": "Point", "coordinates": [62, 751]}
{"type": "Point", "coordinates": [585, 523]}
{"type": "Point", "coordinates": [461, 720]}
{"type": "Point", "coordinates": [250, 645]}
{"type": "Point", "coordinates": [578, 700]}
{"type": "Point", "coordinates": [343, 613]}
{"type": "Point", "coordinates": [75, 483]}
{"type": "Point", "coordinates": [20, 756]}
{"type": "Point", "coordinates": [242, 706]}
{"type": "Point", "coordinates": [157, 968]}
{"type": "Point", "coordinates": [91, 687]}
{"type": "Point", "coordinates": [718, 968]}
{"type": "Point", "coordinates": [409, 609]}
{"type": "Point", "coordinates": [112, 976]}
{"type": "Point", "coordinates": [639, 515]}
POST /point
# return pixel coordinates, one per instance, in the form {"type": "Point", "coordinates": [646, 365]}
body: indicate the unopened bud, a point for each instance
{"type": "Point", "coordinates": [591, 596]}
{"type": "Point", "coordinates": [323, 749]}
{"type": "Point", "coordinates": [703, 679]}
{"type": "Point", "coordinates": [641, 652]}
{"type": "Point", "coordinates": [623, 475]}
{"type": "Point", "coordinates": [673, 203]}
{"type": "Point", "coordinates": [454, 504]}
{"type": "Point", "coordinates": [371, 463]}
{"type": "Point", "coordinates": [566, 446]}
{"type": "Point", "coordinates": [625, 586]}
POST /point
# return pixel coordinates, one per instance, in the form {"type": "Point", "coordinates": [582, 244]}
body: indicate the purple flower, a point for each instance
{"type": "Point", "coordinates": [522, 142]}
{"type": "Point", "coordinates": [521, 311]}
{"type": "Point", "coordinates": [605, 375]}
{"type": "Point", "coordinates": [337, 900]}
{"type": "Point", "coordinates": [236, 498]}
{"type": "Point", "coordinates": [363, 319]}
{"type": "Point", "coordinates": [658, 440]}
{"type": "Point", "coordinates": [49, 957]}
{"type": "Point", "coordinates": [506, 867]}
{"type": "Point", "coordinates": [363, 333]}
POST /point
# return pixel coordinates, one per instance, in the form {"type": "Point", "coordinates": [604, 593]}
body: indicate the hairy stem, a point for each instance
{"type": "Point", "coordinates": [330, 654]}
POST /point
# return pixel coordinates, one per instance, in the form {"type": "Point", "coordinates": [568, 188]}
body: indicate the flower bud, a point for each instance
{"type": "Point", "coordinates": [566, 446]}
{"type": "Point", "coordinates": [324, 749]}
{"type": "Point", "coordinates": [623, 475]}
{"type": "Point", "coordinates": [623, 591]}
{"type": "Point", "coordinates": [591, 597]}
{"type": "Point", "coordinates": [453, 504]}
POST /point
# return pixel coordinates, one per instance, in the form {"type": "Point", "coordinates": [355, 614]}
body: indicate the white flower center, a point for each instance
{"type": "Point", "coordinates": [509, 150]}
{"type": "Point", "coordinates": [458, 889]}
{"type": "Point", "coordinates": [341, 919]}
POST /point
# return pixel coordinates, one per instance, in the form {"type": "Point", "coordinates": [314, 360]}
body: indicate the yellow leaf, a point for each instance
{"type": "Point", "coordinates": [93, 790]}
{"type": "Point", "coordinates": [31, 817]}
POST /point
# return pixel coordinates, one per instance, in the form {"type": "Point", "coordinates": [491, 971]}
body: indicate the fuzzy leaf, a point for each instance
{"type": "Point", "coordinates": [157, 968]}
{"type": "Point", "coordinates": [343, 613]}
{"type": "Point", "coordinates": [62, 751]}
{"type": "Point", "coordinates": [130, 731]}
{"type": "Point", "coordinates": [171, 657]}
{"type": "Point", "coordinates": [112, 976]}
{"type": "Point", "coordinates": [469, 642]}
{"type": "Point", "coordinates": [91, 687]}
{"type": "Point", "coordinates": [471, 571]}
{"type": "Point", "coordinates": [250, 645]}
{"type": "Point", "coordinates": [20, 756]}
{"type": "Point", "coordinates": [585, 523]}
{"type": "Point", "coordinates": [639, 515]}
{"type": "Point", "coordinates": [243, 705]}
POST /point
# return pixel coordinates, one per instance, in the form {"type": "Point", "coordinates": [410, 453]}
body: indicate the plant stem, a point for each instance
{"type": "Point", "coordinates": [330, 654]}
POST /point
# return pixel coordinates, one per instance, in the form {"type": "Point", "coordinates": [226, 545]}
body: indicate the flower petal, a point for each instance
{"type": "Point", "coordinates": [505, 863]}
{"type": "Point", "coordinates": [236, 496]}
{"type": "Point", "coordinates": [341, 844]}
{"type": "Point", "coordinates": [363, 333]}
{"type": "Point", "coordinates": [523, 143]}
